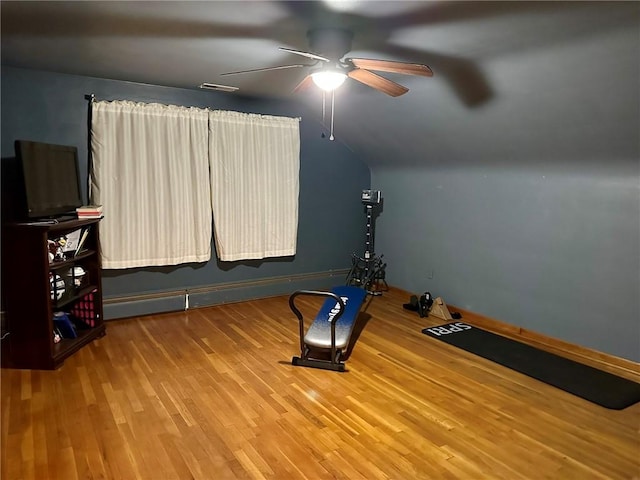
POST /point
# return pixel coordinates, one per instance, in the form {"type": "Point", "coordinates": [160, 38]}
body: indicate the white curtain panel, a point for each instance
{"type": "Point", "coordinates": [151, 175]}
{"type": "Point", "coordinates": [254, 165]}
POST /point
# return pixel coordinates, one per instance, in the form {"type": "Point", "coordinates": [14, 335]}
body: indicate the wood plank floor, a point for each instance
{"type": "Point", "coordinates": [210, 394]}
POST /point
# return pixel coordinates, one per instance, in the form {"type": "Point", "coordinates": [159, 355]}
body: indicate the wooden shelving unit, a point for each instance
{"type": "Point", "coordinates": [30, 303]}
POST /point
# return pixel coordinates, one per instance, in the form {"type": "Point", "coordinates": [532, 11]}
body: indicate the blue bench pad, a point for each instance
{"type": "Point", "coordinates": [319, 333]}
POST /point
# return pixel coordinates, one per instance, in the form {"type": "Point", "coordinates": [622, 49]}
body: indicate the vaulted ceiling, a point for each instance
{"type": "Point", "coordinates": [507, 74]}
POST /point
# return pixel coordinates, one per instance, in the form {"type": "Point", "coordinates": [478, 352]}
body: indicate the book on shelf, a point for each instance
{"type": "Point", "coordinates": [71, 241]}
{"type": "Point", "coordinates": [89, 211]}
{"type": "Point", "coordinates": [83, 239]}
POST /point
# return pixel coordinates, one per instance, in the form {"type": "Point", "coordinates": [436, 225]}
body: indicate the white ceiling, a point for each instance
{"type": "Point", "coordinates": [487, 56]}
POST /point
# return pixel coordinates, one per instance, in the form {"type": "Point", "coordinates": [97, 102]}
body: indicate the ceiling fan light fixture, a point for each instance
{"type": "Point", "coordinates": [328, 80]}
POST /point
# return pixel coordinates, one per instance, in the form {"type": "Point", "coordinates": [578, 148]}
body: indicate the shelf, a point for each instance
{"type": "Point", "coordinates": [60, 264]}
{"type": "Point", "coordinates": [56, 227]}
{"type": "Point", "coordinates": [28, 304]}
{"type": "Point", "coordinates": [68, 346]}
{"type": "Point", "coordinates": [64, 301]}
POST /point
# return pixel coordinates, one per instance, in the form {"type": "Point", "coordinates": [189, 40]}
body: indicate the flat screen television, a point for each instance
{"type": "Point", "coordinates": [51, 178]}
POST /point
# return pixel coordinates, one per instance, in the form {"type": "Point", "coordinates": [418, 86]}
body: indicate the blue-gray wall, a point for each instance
{"type": "Point", "coordinates": [527, 208]}
{"type": "Point", "coordinates": [51, 107]}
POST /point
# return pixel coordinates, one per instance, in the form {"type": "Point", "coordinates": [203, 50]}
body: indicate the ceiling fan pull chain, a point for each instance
{"type": "Point", "coordinates": [333, 104]}
{"type": "Point", "coordinates": [324, 97]}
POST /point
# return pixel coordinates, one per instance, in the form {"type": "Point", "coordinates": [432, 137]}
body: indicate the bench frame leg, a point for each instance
{"type": "Point", "coordinates": [314, 363]}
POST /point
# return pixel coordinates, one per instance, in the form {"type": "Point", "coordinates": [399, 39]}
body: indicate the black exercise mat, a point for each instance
{"type": "Point", "coordinates": [594, 385]}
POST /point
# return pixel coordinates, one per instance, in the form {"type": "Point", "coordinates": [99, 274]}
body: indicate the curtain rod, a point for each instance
{"type": "Point", "coordinates": [92, 99]}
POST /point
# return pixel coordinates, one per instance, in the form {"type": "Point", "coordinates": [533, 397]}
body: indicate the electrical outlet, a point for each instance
{"type": "Point", "coordinates": [430, 275]}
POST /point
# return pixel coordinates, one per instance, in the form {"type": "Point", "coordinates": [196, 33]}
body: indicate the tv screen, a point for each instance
{"type": "Point", "coordinates": [51, 178]}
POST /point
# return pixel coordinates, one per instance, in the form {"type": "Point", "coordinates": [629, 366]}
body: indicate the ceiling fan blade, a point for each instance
{"type": "Point", "coordinates": [305, 54]}
{"type": "Point", "coordinates": [304, 84]}
{"type": "Point", "coordinates": [255, 70]}
{"type": "Point", "coordinates": [394, 67]}
{"type": "Point", "coordinates": [379, 83]}
{"type": "Point", "coordinates": [217, 86]}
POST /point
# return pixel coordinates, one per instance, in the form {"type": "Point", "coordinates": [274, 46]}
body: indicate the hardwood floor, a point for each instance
{"type": "Point", "coordinates": [210, 393]}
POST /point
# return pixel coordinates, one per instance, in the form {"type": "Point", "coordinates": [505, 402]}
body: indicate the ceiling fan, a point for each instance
{"type": "Point", "coordinates": [331, 67]}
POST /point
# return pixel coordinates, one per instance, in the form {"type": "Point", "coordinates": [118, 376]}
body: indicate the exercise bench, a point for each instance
{"type": "Point", "coordinates": [329, 333]}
